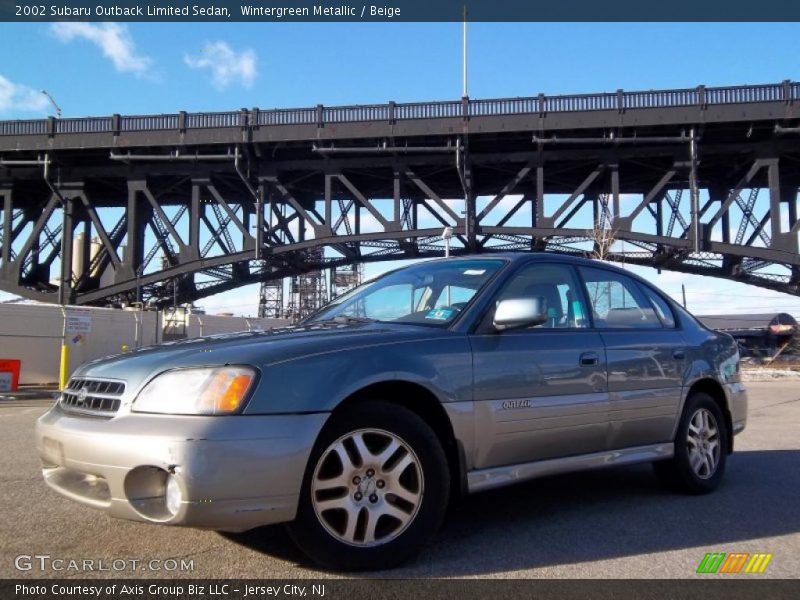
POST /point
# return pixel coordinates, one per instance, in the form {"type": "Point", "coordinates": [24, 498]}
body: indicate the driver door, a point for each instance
{"type": "Point", "coordinates": [540, 392]}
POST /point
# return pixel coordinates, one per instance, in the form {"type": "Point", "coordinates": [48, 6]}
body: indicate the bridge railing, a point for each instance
{"type": "Point", "coordinates": [660, 99]}
{"type": "Point", "coordinates": [148, 122]}
{"type": "Point", "coordinates": [428, 110]}
{"type": "Point", "coordinates": [29, 127]}
{"type": "Point", "coordinates": [353, 114]}
{"type": "Point", "coordinates": [737, 95]}
{"type": "Point", "coordinates": [213, 120]}
{"type": "Point", "coordinates": [786, 91]}
{"type": "Point", "coordinates": [287, 116]}
{"type": "Point", "coordinates": [88, 125]}
{"type": "Point", "coordinates": [503, 106]}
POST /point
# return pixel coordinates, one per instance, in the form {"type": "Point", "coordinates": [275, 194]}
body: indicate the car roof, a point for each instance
{"type": "Point", "coordinates": [534, 256]}
{"type": "Point", "coordinates": [546, 256]}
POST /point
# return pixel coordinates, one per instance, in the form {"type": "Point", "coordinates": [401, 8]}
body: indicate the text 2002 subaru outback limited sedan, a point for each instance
{"type": "Point", "coordinates": [359, 425]}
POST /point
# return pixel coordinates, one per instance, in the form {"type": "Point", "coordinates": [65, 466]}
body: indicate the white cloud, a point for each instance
{"type": "Point", "coordinates": [17, 97]}
{"type": "Point", "coordinates": [113, 39]}
{"type": "Point", "coordinates": [226, 65]}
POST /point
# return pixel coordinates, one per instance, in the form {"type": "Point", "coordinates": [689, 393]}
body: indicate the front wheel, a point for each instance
{"type": "Point", "coordinates": [375, 490]}
{"type": "Point", "coordinates": [700, 448]}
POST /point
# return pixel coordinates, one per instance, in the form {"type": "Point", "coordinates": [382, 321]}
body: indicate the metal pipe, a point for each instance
{"type": "Point", "coordinates": [387, 150]}
{"type": "Point", "coordinates": [460, 170]}
{"type": "Point", "coordinates": [169, 157]}
{"type": "Point", "coordinates": [613, 140]}
{"type": "Point", "coordinates": [63, 363]}
{"type": "Point", "coordinates": [22, 163]}
{"type": "Point", "coordinates": [695, 193]}
{"type": "Point", "coordinates": [783, 130]}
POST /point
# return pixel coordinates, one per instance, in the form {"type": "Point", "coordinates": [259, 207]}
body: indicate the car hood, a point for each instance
{"type": "Point", "coordinates": [258, 348]}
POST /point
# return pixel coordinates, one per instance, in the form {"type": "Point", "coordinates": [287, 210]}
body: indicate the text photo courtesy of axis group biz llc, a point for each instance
{"type": "Point", "coordinates": [421, 300]}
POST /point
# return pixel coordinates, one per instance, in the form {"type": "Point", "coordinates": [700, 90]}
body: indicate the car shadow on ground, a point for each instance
{"type": "Point", "coordinates": [592, 516]}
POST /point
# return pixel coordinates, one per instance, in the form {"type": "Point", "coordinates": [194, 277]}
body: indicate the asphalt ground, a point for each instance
{"type": "Point", "coordinates": [613, 523]}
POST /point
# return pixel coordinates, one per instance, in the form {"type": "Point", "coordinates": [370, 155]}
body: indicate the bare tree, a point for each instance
{"type": "Point", "coordinates": [602, 236]}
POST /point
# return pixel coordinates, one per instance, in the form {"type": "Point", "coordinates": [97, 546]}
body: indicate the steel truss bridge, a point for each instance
{"type": "Point", "coordinates": [175, 207]}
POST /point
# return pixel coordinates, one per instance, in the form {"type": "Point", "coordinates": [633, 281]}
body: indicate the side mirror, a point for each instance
{"type": "Point", "coordinates": [520, 312]}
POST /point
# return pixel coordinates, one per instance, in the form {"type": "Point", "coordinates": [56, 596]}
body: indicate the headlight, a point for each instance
{"type": "Point", "coordinates": [211, 391]}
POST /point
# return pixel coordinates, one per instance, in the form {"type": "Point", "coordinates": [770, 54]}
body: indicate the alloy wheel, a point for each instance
{"type": "Point", "coordinates": [703, 443]}
{"type": "Point", "coordinates": [367, 487]}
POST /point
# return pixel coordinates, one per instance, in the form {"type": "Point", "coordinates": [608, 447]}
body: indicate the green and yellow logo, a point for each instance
{"type": "Point", "coordinates": [735, 562]}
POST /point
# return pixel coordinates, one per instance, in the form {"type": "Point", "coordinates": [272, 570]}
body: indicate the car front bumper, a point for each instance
{"type": "Point", "coordinates": [234, 473]}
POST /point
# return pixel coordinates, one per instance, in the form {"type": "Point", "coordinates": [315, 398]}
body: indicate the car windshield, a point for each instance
{"type": "Point", "coordinates": [431, 293]}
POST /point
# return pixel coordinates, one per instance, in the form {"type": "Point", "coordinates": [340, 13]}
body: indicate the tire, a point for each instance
{"type": "Point", "coordinates": [375, 490]}
{"type": "Point", "coordinates": [701, 448]}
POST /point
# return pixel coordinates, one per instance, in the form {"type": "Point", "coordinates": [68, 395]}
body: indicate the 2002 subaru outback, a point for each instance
{"type": "Point", "coordinates": [359, 425]}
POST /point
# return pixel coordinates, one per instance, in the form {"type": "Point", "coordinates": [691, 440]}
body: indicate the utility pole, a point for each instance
{"type": "Point", "coordinates": [464, 93]}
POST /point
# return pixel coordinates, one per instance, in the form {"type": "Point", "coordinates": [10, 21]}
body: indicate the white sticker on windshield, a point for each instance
{"type": "Point", "coordinates": [474, 271]}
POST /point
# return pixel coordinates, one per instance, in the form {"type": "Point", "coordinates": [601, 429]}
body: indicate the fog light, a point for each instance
{"type": "Point", "coordinates": [173, 495]}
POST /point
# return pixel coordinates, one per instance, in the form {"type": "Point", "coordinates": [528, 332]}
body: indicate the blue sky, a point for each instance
{"type": "Point", "coordinates": [155, 68]}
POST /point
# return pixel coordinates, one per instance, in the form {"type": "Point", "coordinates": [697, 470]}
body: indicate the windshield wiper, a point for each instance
{"type": "Point", "coordinates": [343, 320]}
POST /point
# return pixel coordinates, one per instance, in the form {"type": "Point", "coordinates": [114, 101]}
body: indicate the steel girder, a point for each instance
{"type": "Point", "coordinates": [167, 230]}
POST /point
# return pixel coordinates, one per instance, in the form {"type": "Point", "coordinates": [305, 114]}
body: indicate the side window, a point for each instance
{"type": "Point", "coordinates": [617, 301]}
{"type": "Point", "coordinates": [557, 286]}
{"type": "Point", "coordinates": [663, 310]}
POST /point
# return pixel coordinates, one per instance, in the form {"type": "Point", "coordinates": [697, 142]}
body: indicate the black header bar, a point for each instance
{"type": "Point", "coordinates": [399, 10]}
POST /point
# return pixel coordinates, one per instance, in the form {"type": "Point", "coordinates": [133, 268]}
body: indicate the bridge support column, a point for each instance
{"type": "Point", "coordinates": [138, 213]}
{"type": "Point", "coordinates": [196, 212]}
{"type": "Point", "coordinates": [6, 203]}
{"type": "Point", "coordinates": [719, 193]}
{"type": "Point", "coordinates": [537, 213]}
{"type": "Point", "coordinates": [782, 191]}
{"type": "Point", "coordinates": [471, 214]}
{"type": "Point", "coordinates": [614, 169]}
{"type": "Point", "coordinates": [65, 287]}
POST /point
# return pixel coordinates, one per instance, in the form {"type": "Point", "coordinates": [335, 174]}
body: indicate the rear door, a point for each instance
{"type": "Point", "coordinates": [540, 392]}
{"type": "Point", "coordinates": [645, 354]}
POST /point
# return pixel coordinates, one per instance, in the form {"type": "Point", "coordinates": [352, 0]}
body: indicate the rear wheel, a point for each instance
{"type": "Point", "coordinates": [375, 490]}
{"type": "Point", "coordinates": [700, 448]}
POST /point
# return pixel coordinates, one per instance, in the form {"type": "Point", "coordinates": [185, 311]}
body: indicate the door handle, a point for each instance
{"type": "Point", "coordinates": [589, 359]}
{"type": "Point", "coordinates": [678, 354]}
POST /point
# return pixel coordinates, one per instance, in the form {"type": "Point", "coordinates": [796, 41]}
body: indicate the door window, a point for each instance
{"type": "Point", "coordinates": [663, 310]}
{"type": "Point", "coordinates": [617, 302]}
{"type": "Point", "coordinates": [557, 287]}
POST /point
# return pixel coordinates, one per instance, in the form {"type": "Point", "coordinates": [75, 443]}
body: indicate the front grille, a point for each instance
{"type": "Point", "coordinates": [96, 397]}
